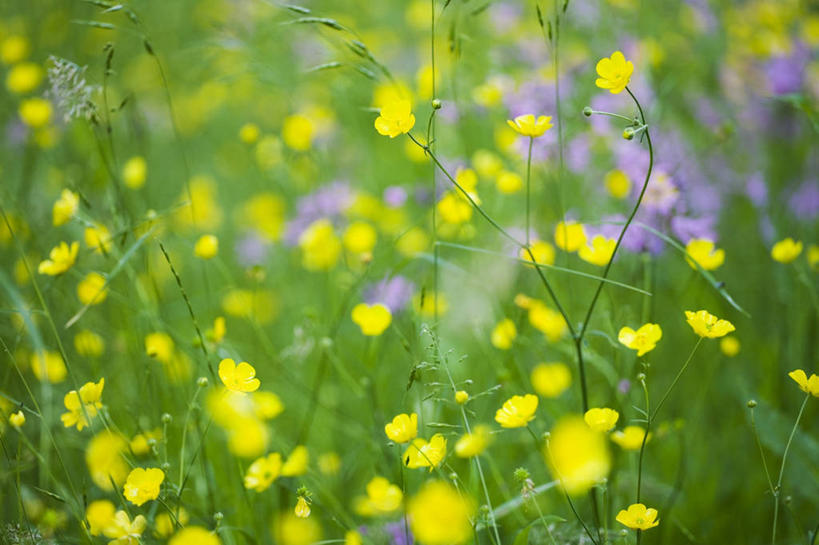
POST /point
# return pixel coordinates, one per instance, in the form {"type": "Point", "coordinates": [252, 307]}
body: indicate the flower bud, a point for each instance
{"type": "Point", "coordinates": [218, 516]}
{"type": "Point", "coordinates": [202, 382]}
{"type": "Point", "coordinates": [587, 111]}
{"type": "Point", "coordinates": [628, 133]}
{"type": "Point", "coordinates": [751, 403]}
{"type": "Point", "coordinates": [166, 418]}
{"type": "Point", "coordinates": [436, 104]}
{"type": "Point", "coordinates": [165, 467]}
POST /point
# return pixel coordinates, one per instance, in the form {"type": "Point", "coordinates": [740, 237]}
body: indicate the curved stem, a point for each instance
{"type": "Point", "coordinates": [778, 490]}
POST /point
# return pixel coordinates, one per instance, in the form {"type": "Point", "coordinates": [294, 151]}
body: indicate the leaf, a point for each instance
{"type": "Point", "coordinates": [523, 536]}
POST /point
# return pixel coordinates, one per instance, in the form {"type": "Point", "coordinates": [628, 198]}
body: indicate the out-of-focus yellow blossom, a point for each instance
{"type": "Point", "coordinates": [414, 241]}
{"type": "Point", "coordinates": [528, 125]}
{"type": "Point", "coordinates": [577, 456]}
{"type": "Point", "coordinates": [729, 346]}
{"type": "Point", "coordinates": [643, 340]}
{"type": "Point", "coordinates": [630, 437]}
{"type": "Point", "coordinates": [65, 207]}
{"type": "Point", "coordinates": [549, 321]}
{"type": "Point", "coordinates": [372, 319]}
{"type": "Point", "coordinates": [16, 420]}
{"type": "Point", "coordinates": [415, 152]}
{"type": "Point", "coordinates": [320, 246]}
{"type": "Point", "coordinates": [297, 132]}
{"type": "Point", "coordinates": [267, 405]}
{"type": "Point", "coordinates": [216, 334]}
{"type": "Point", "coordinates": [426, 303]}
{"type": "Point", "coordinates": [48, 366]}
{"type": "Point", "coordinates": [91, 290]}
{"type": "Point", "coordinates": [238, 378]}
{"type": "Point", "coordinates": [487, 163]}
{"type": "Point", "coordinates": [390, 92]}
{"type": "Point", "coordinates": [617, 183]}
{"type": "Point", "coordinates": [707, 325]}
{"type": "Point", "coordinates": [268, 152]}
{"type": "Point", "coordinates": [395, 118]}
{"type": "Point", "coordinates": [440, 515]}
{"type": "Point", "coordinates": [786, 250]}
{"type": "Point", "coordinates": [601, 419]}
{"type": "Point", "coordinates": [195, 535]}
{"type": "Point", "coordinates": [551, 379]}
{"type": "Point", "coordinates": [638, 517]}
{"type": "Point", "coordinates": [263, 471]}
{"type": "Point", "coordinates": [703, 252]}
{"type": "Point", "coordinates": [18, 226]}
{"type": "Point", "coordinates": [813, 256]}
{"type": "Point", "coordinates": [98, 238]}
{"type": "Point", "coordinates": [302, 509]}
{"type": "Point", "coordinates": [504, 334]}
{"type": "Point", "coordinates": [359, 237]}
{"type": "Point", "coordinates": [249, 133]}
{"type": "Point", "coordinates": [104, 457]}
{"type": "Point", "coordinates": [60, 259]}
{"type": "Point", "coordinates": [599, 252]}
{"type": "Point", "coordinates": [807, 385]}
{"type": "Point", "coordinates": [505, 137]}
{"type": "Point", "coordinates": [570, 236]}
{"type": "Point", "coordinates": [100, 515]}
{"type": "Point", "coordinates": [403, 428]}
{"type": "Point", "coordinates": [424, 83]}
{"type": "Point", "coordinates": [259, 305]}
{"type": "Point", "coordinates": [142, 485]}
{"type": "Point", "coordinates": [135, 172]}
{"type": "Point", "coordinates": [160, 346]}
{"type": "Point", "coordinates": [87, 402]}
{"type": "Point", "coordinates": [21, 274]}
{"type": "Point", "coordinates": [508, 182]}
{"type": "Point", "coordinates": [35, 112]}
{"type": "Point", "coordinates": [329, 463]}
{"type": "Point", "coordinates": [517, 411]}
{"type": "Point", "coordinates": [488, 94]}
{"type": "Point", "coordinates": [454, 208]}
{"type": "Point", "coordinates": [122, 531]}
{"type": "Point", "coordinates": [140, 444]}
{"type": "Point", "coordinates": [206, 247]}
{"type": "Point", "coordinates": [544, 253]}
{"type": "Point", "coordinates": [473, 444]}
{"type": "Point", "coordinates": [240, 415]}
{"type": "Point", "coordinates": [353, 538]}
{"type": "Point", "coordinates": [296, 463]}
{"type": "Point", "coordinates": [615, 72]}
{"type": "Point", "coordinates": [382, 498]}
{"type": "Point", "coordinates": [461, 397]}
{"type": "Point", "coordinates": [423, 453]}
{"type": "Point", "coordinates": [201, 209]}
{"type": "Point", "coordinates": [292, 530]}
{"type": "Point", "coordinates": [13, 49]}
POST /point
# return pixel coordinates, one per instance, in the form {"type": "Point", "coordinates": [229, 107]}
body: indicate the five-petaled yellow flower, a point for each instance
{"type": "Point", "coordinates": [807, 385]}
{"type": "Point", "coordinates": [599, 252]}
{"type": "Point", "coordinates": [517, 411]}
{"type": "Point", "coordinates": [528, 125]}
{"type": "Point", "coordinates": [786, 250]}
{"type": "Point", "coordinates": [702, 252]}
{"type": "Point", "coordinates": [630, 438]}
{"type": "Point", "coordinates": [86, 402]}
{"type": "Point", "coordinates": [396, 118]}
{"type": "Point", "coordinates": [643, 340]}
{"type": "Point", "coordinates": [372, 319]}
{"type": "Point", "coordinates": [601, 419]}
{"type": "Point", "coordinates": [143, 485]}
{"type": "Point", "coordinates": [638, 517]}
{"type": "Point", "coordinates": [423, 453]}
{"type": "Point", "coordinates": [403, 428]}
{"type": "Point", "coordinates": [615, 72]}
{"type": "Point", "coordinates": [16, 420]}
{"type": "Point", "coordinates": [474, 443]}
{"type": "Point", "coordinates": [263, 471]}
{"type": "Point", "coordinates": [707, 325]}
{"type": "Point", "coordinates": [65, 207]}
{"type": "Point", "coordinates": [238, 378]}
{"type": "Point", "coordinates": [60, 259]}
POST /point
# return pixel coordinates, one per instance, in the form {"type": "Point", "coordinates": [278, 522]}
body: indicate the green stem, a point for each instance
{"type": "Point", "coordinates": [778, 490]}
{"type": "Point", "coordinates": [528, 191]}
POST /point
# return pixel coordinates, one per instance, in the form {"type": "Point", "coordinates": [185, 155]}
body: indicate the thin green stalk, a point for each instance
{"type": "Point", "coordinates": [762, 453]}
{"type": "Point", "coordinates": [778, 490]}
{"type": "Point", "coordinates": [528, 191]}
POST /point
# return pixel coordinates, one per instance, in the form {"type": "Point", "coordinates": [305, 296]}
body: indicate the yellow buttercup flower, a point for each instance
{"type": "Point", "coordinates": [135, 172]}
{"type": "Point", "coordinates": [615, 72]}
{"type": "Point", "coordinates": [703, 252]}
{"type": "Point", "coordinates": [638, 517]}
{"type": "Point", "coordinates": [517, 411]}
{"type": "Point", "coordinates": [105, 461]}
{"type": "Point", "coordinates": [100, 515]}
{"type": "Point", "coordinates": [86, 402]}
{"type": "Point", "coordinates": [382, 498]}
{"type": "Point", "coordinates": [92, 290]}
{"type": "Point", "coordinates": [160, 346]}
{"type": "Point", "coordinates": [577, 456]}
{"type": "Point", "coordinates": [297, 132]}
{"type": "Point", "coordinates": [551, 379]}
{"type": "Point", "coordinates": [143, 485]}
{"type": "Point", "coordinates": [396, 118]}
{"type": "Point", "coordinates": [296, 463]}
{"type": "Point", "coordinates": [440, 515]}
{"type": "Point", "coordinates": [461, 397]}
{"type": "Point", "coordinates": [195, 535]}
{"type": "Point", "coordinates": [786, 250]}
{"type": "Point", "coordinates": [423, 453]}
{"type": "Point", "coordinates": [643, 340]}
{"type": "Point", "coordinates": [320, 246]}
{"type": "Point", "coordinates": [549, 321]}
{"type": "Point", "coordinates": [65, 207]}
{"type": "Point", "coordinates": [599, 252]}
{"type": "Point", "coordinates": [16, 420]}
{"type": "Point", "coordinates": [24, 77]}
{"type": "Point", "coordinates": [217, 333]}
{"type": "Point", "coordinates": [302, 509]}
{"type": "Point", "coordinates": [35, 112]}
{"type": "Point", "coordinates": [729, 346]}
{"type": "Point", "coordinates": [707, 325]}
{"type": "Point", "coordinates": [403, 428]}
{"type": "Point", "coordinates": [123, 531]}
{"type": "Point", "coordinates": [359, 237]}
{"type": "Point", "coordinates": [206, 247]}
{"type": "Point", "coordinates": [807, 385]}
{"type": "Point", "coordinates": [503, 335]}
{"type": "Point", "coordinates": [249, 133]}
{"type": "Point", "coordinates": [630, 437]}
{"type": "Point", "coordinates": [61, 258]}
{"type": "Point", "coordinates": [98, 238]}
{"type": "Point", "coordinates": [527, 125]}
{"type": "Point", "coordinates": [570, 236]}
{"type": "Point", "coordinates": [508, 182]}
{"type": "Point", "coordinates": [142, 443]}
{"type": "Point", "coordinates": [238, 378]}
{"type": "Point", "coordinates": [601, 419]}
{"type": "Point", "coordinates": [48, 366]}
{"type": "Point", "coordinates": [454, 208]}
{"type": "Point", "coordinates": [474, 443]}
{"type": "Point", "coordinates": [813, 257]}
{"type": "Point", "coordinates": [427, 302]}
{"type": "Point", "coordinates": [263, 471]}
{"type": "Point", "coordinates": [372, 319]}
{"type": "Point", "coordinates": [543, 252]}
{"type": "Point", "coordinates": [617, 183]}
